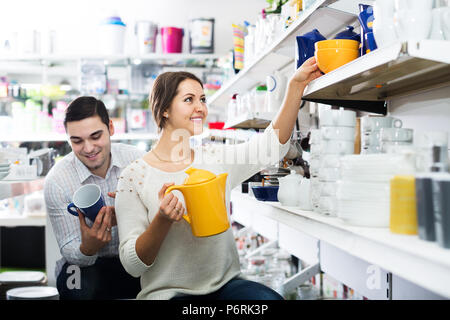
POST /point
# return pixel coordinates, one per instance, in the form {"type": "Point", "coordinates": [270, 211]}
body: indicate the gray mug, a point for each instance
{"type": "Point", "coordinates": [424, 204]}
{"type": "Point", "coordinates": [441, 205]}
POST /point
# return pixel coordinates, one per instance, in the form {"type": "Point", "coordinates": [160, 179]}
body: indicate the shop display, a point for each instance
{"type": "Point", "coordinates": [112, 35]}
{"type": "Point", "coordinates": [403, 214]}
{"type": "Point", "coordinates": [400, 183]}
{"type": "Point", "coordinates": [366, 19]}
{"type": "Point", "coordinates": [146, 32]}
{"type": "Point", "coordinates": [172, 39]}
{"type": "Point", "coordinates": [306, 46]}
{"type": "Point", "coordinates": [413, 19]}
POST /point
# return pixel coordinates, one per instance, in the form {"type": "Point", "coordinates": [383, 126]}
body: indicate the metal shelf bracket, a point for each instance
{"type": "Point", "coordinates": [291, 284]}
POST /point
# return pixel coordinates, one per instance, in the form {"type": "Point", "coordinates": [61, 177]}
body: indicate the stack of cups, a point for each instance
{"type": "Point", "coordinates": [337, 132]}
{"type": "Point", "coordinates": [432, 186]}
{"type": "Point", "coordinates": [363, 191]}
{"type": "Point", "coordinates": [315, 156]}
{"type": "Point", "coordinates": [370, 132]}
{"type": "Point", "coordinates": [393, 138]}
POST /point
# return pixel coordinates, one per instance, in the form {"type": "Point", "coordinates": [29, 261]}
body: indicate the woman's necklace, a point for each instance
{"type": "Point", "coordinates": [162, 160]}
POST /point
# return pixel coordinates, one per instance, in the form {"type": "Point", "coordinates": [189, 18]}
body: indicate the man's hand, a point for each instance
{"type": "Point", "coordinates": [96, 237]}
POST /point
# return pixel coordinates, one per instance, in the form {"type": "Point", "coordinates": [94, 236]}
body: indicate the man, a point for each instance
{"type": "Point", "coordinates": [90, 267]}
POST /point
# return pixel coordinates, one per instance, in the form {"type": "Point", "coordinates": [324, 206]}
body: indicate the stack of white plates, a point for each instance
{"type": "Point", "coordinates": [17, 279]}
{"type": "Point", "coordinates": [363, 191]}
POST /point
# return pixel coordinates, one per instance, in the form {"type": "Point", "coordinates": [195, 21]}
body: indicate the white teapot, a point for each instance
{"type": "Point", "coordinates": [289, 189]}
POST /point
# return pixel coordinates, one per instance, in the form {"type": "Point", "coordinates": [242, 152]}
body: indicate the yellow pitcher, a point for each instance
{"type": "Point", "coordinates": [204, 195]}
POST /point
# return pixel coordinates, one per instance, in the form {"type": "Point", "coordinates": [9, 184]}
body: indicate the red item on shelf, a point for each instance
{"type": "Point", "coordinates": [216, 125]}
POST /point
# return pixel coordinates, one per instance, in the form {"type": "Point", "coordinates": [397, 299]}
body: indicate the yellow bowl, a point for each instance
{"type": "Point", "coordinates": [331, 59]}
{"type": "Point", "coordinates": [337, 43]}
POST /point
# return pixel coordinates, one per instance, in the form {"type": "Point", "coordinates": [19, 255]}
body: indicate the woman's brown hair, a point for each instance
{"type": "Point", "coordinates": [165, 88]}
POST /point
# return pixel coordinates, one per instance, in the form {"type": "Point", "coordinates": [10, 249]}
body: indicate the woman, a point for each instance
{"type": "Point", "coordinates": [156, 244]}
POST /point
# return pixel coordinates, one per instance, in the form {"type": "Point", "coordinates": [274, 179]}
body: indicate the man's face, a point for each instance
{"type": "Point", "coordinates": [91, 143]}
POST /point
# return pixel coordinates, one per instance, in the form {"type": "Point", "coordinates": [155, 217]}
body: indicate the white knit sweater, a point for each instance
{"type": "Point", "coordinates": [186, 264]}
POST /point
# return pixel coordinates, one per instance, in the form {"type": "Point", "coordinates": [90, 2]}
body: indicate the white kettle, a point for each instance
{"type": "Point", "coordinates": [289, 189]}
{"type": "Point", "coordinates": [276, 87]}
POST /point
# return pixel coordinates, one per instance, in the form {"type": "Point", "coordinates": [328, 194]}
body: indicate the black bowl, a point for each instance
{"type": "Point", "coordinates": [266, 193]}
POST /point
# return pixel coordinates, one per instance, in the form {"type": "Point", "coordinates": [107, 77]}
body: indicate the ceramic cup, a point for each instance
{"type": "Point", "coordinates": [396, 134]}
{"type": "Point", "coordinates": [337, 147]}
{"type": "Point", "coordinates": [369, 124]}
{"type": "Point", "coordinates": [371, 138]}
{"type": "Point", "coordinates": [370, 149]}
{"type": "Point", "coordinates": [445, 22]}
{"type": "Point", "coordinates": [383, 25]}
{"type": "Point", "coordinates": [337, 118]}
{"type": "Point", "coordinates": [426, 142]}
{"type": "Point", "coordinates": [412, 19]}
{"type": "Point", "coordinates": [441, 206]}
{"type": "Point", "coordinates": [424, 204]}
{"type": "Point", "coordinates": [329, 174]}
{"type": "Point", "coordinates": [438, 25]}
{"type": "Point", "coordinates": [394, 146]}
{"type": "Point", "coordinates": [338, 133]}
{"type": "Point", "coordinates": [88, 199]}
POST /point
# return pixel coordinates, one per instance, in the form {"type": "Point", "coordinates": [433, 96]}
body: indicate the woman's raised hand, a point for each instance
{"type": "Point", "coordinates": [307, 72]}
{"type": "Point", "coordinates": [169, 205]}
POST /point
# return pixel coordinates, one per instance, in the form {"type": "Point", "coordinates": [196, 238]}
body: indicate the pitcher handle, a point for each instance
{"type": "Point", "coordinates": [171, 188]}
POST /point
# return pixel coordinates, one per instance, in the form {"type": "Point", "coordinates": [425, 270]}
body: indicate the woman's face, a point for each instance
{"type": "Point", "coordinates": [188, 109]}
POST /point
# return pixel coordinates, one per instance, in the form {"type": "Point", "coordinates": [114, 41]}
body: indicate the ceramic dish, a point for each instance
{"type": "Point", "coordinates": [266, 193]}
{"type": "Point", "coordinates": [364, 213]}
{"type": "Point", "coordinates": [362, 191]}
{"type": "Point", "coordinates": [21, 276]}
{"type": "Point", "coordinates": [33, 293]}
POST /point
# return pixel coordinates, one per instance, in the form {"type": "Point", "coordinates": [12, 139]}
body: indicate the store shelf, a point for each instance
{"type": "Point", "coordinates": [282, 52]}
{"type": "Point", "coordinates": [251, 120]}
{"type": "Point", "coordinates": [13, 188]}
{"type": "Point", "coordinates": [22, 221]}
{"type": "Point", "coordinates": [52, 137]}
{"type": "Point", "coordinates": [423, 263]}
{"type": "Point", "coordinates": [401, 69]}
{"type": "Point", "coordinates": [163, 58]}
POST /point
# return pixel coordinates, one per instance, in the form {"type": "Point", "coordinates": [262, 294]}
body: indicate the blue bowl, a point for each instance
{"type": "Point", "coordinates": [266, 193]}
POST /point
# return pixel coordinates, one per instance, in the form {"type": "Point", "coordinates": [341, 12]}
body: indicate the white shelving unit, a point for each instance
{"type": "Point", "coordinates": [22, 221]}
{"type": "Point", "coordinates": [49, 137]}
{"type": "Point", "coordinates": [111, 59]}
{"type": "Point", "coordinates": [282, 52]}
{"type": "Point", "coordinates": [423, 263]}
{"type": "Point", "coordinates": [405, 266]}
{"type": "Point", "coordinates": [256, 120]}
{"type": "Point", "coordinates": [383, 74]}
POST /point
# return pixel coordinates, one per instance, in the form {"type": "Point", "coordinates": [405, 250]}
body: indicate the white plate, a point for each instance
{"type": "Point", "coordinates": [34, 293]}
{"type": "Point", "coordinates": [21, 276]}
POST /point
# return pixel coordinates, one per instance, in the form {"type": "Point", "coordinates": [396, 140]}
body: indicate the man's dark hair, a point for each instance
{"type": "Point", "coordinates": [86, 107]}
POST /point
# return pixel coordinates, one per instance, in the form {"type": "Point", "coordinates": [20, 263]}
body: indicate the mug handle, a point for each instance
{"type": "Point", "coordinates": [398, 123]}
{"type": "Point", "coordinates": [70, 209]}
{"type": "Point", "coordinates": [171, 188]}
